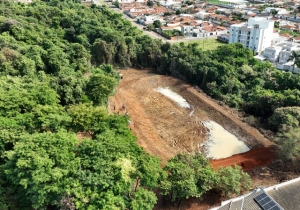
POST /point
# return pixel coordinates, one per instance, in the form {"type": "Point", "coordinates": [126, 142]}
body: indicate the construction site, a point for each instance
{"type": "Point", "coordinates": [169, 116]}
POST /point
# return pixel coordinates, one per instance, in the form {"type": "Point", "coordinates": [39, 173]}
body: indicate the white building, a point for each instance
{"type": "Point", "coordinates": [279, 10]}
{"type": "Point", "coordinates": [187, 30]}
{"type": "Point", "coordinates": [201, 15]}
{"type": "Point", "coordinates": [286, 53]}
{"type": "Point", "coordinates": [167, 2]}
{"type": "Point", "coordinates": [272, 53]}
{"type": "Point", "coordinates": [255, 35]}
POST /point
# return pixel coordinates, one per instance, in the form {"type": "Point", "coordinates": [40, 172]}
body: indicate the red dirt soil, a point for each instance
{"type": "Point", "coordinates": [248, 160]}
{"type": "Point", "coordinates": [164, 129]}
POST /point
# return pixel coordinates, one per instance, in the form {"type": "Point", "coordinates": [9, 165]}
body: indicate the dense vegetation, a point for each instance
{"type": "Point", "coordinates": [173, 32]}
{"type": "Point", "coordinates": [231, 74]}
{"type": "Point", "coordinates": [56, 74]}
{"type": "Point", "coordinates": [56, 78]}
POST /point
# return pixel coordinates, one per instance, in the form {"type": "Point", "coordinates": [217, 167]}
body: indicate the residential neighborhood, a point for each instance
{"type": "Point", "coordinates": [270, 28]}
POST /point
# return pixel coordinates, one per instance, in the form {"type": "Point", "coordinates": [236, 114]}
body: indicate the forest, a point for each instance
{"type": "Point", "coordinates": [57, 69]}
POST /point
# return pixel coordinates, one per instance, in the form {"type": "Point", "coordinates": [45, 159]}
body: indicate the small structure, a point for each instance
{"type": "Point", "coordinates": [224, 38]}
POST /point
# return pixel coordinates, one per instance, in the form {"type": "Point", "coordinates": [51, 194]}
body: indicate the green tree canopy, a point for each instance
{"type": "Point", "coordinates": [39, 167]}
{"type": "Point", "coordinates": [285, 116]}
{"type": "Point", "coordinates": [188, 176]}
{"type": "Point", "coordinates": [288, 141]}
{"type": "Point", "coordinates": [232, 180]}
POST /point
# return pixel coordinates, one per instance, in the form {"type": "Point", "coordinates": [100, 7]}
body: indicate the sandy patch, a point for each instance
{"type": "Point", "coordinates": [173, 96]}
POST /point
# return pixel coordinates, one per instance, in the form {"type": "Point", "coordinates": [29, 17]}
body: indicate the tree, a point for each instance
{"type": "Point", "coordinates": [150, 27]}
{"type": "Point", "coordinates": [274, 12]}
{"type": "Point", "coordinates": [285, 116]}
{"type": "Point", "coordinates": [233, 180]}
{"type": "Point", "coordinates": [109, 167]}
{"type": "Point", "coordinates": [39, 167]}
{"type": "Point", "coordinates": [116, 3]}
{"type": "Point", "coordinates": [150, 3]}
{"type": "Point", "coordinates": [143, 199]}
{"type": "Point", "coordinates": [167, 13]}
{"type": "Point", "coordinates": [188, 176]}
{"type": "Point", "coordinates": [157, 24]}
{"type": "Point", "coordinates": [288, 142]}
{"type": "Point", "coordinates": [70, 86]}
{"type": "Point", "coordinates": [99, 87]}
{"type": "Point", "coordinates": [47, 118]}
{"type": "Point", "coordinates": [86, 117]}
{"type": "Point", "coordinates": [178, 12]}
{"type": "Point", "coordinates": [295, 56]}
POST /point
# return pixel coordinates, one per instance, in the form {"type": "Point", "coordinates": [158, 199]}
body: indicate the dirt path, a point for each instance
{"type": "Point", "coordinates": [248, 160]}
{"type": "Point", "coordinates": [163, 128]}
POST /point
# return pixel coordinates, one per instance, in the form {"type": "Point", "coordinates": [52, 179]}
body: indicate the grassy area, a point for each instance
{"type": "Point", "coordinates": [215, 2]}
{"type": "Point", "coordinates": [207, 44]}
{"type": "Point", "coordinates": [284, 31]}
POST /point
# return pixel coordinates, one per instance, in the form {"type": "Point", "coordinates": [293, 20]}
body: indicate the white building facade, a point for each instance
{"type": "Point", "coordinates": [256, 34]}
{"type": "Point", "coordinates": [272, 53]}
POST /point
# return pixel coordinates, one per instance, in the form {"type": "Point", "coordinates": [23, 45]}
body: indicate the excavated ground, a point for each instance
{"type": "Point", "coordinates": [164, 129]}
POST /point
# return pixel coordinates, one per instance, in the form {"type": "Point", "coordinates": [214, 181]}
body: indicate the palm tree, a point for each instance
{"type": "Point", "coordinates": [295, 56]}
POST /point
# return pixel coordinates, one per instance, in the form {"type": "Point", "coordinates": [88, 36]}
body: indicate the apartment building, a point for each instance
{"type": "Point", "coordinates": [255, 35]}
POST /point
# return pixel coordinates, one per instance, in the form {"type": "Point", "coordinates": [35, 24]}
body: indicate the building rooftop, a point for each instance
{"type": "Point", "coordinates": [286, 196]}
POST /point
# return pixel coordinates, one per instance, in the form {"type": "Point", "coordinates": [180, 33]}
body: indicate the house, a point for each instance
{"type": "Point", "coordinates": [281, 21]}
{"type": "Point", "coordinates": [284, 62]}
{"type": "Point", "coordinates": [218, 19]}
{"type": "Point", "coordinates": [286, 52]}
{"type": "Point", "coordinates": [168, 2]}
{"type": "Point", "coordinates": [280, 11]}
{"type": "Point", "coordinates": [209, 30]}
{"type": "Point", "coordinates": [202, 15]}
{"type": "Point", "coordinates": [187, 30]}
{"type": "Point", "coordinates": [255, 35]}
{"type": "Point", "coordinates": [149, 19]}
{"type": "Point", "coordinates": [231, 22]}
{"type": "Point", "coordinates": [272, 53]}
{"type": "Point", "coordinates": [284, 196]}
{"type": "Point", "coordinates": [224, 37]}
{"type": "Point", "coordinates": [276, 39]}
{"type": "Point", "coordinates": [293, 18]}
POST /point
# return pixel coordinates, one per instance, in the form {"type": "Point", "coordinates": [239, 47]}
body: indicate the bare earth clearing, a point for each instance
{"type": "Point", "coordinates": [163, 128]}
